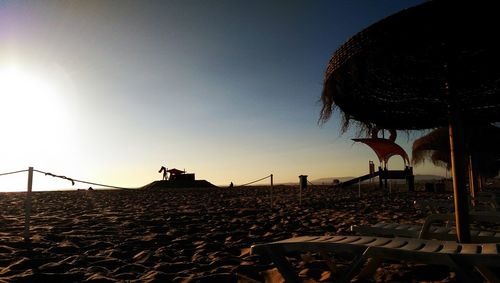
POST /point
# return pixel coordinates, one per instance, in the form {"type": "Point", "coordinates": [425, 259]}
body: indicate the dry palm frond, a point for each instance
{"type": "Point", "coordinates": [434, 146]}
{"type": "Point", "coordinates": [482, 144]}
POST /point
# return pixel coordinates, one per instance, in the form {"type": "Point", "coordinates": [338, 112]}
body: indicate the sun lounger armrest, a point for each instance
{"type": "Point", "coordinates": [431, 219]}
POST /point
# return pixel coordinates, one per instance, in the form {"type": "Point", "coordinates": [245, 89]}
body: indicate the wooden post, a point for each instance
{"type": "Point", "coordinates": [472, 187]}
{"type": "Point", "coordinates": [302, 186]}
{"type": "Point", "coordinates": [359, 187]}
{"type": "Point", "coordinates": [300, 195]}
{"type": "Point", "coordinates": [386, 174]}
{"type": "Point", "coordinates": [371, 167]}
{"type": "Point", "coordinates": [458, 169]}
{"type": "Point", "coordinates": [380, 176]}
{"type": "Point", "coordinates": [473, 177]}
{"type": "Point", "coordinates": [27, 206]}
{"type": "Point", "coordinates": [272, 191]}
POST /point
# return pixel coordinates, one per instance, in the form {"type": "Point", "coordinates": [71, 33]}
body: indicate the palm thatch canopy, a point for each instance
{"type": "Point", "coordinates": [434, 146]}
{"type": "Point", "coordinates": [394, 74]}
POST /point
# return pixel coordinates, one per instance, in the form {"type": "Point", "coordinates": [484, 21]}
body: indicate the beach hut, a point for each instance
{"type": "Point", "coordinates": [433, 65]}
{"type": "Point", "coordinates": [178, 175]}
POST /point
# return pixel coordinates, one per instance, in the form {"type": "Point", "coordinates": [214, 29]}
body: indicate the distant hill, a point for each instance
{"type": "Point", "coordinates": [428, 177]}
{"type": "Point", "coordinates": [329, 180]}
{"type": "Point", "coordinates": [164, 184]}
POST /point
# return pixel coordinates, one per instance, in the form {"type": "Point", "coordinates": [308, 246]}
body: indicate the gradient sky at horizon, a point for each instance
{"type": "Point", "coordinates": [109, 91]}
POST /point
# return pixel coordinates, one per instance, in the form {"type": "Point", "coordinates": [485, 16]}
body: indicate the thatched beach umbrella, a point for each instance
{"type": "Point", "coordinates": [482, 146]}
{"type": "Point", "coordinates": [434, 146]}
{"type": "Point", "coordinates": [433, 65]}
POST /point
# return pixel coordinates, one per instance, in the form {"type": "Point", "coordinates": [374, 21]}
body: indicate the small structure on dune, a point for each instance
{"type": "Point", "coordinates": [176, 174]}
{"type": "Point", "coordinates": [179, 179]}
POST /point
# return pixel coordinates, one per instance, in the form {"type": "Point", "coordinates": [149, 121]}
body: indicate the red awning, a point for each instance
{"type": "Point", "coordinates": [385, 149]}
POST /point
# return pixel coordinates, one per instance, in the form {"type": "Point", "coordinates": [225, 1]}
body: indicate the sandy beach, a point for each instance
{"type": "Point", "coordinates": [189, 235]}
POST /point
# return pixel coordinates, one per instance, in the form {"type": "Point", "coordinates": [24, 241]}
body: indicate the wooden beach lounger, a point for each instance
{"type": "Point", "coordinates": [460, 258]}
{"type": "Point", "coordinates": [484, 201]}
{"type": "Point", "coordinates": [436, 226]}
{"type": "Point", "coordinates": [487, 201]}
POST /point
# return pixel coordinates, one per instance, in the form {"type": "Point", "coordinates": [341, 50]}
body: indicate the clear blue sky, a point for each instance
{"type": "Point", "coordinates": [109, 91]}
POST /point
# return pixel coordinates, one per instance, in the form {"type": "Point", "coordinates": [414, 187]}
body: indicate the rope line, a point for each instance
{"type": "Point", "coordinates": [15, 172]}
{"type": "Point", "coordinates": [73, 181]}
{"type": "Point", "coordinates": [253, 181]}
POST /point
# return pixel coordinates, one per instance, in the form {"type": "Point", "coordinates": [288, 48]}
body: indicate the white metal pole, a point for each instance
{"type": "Point", "coordinates": [27, 206]}
{"type": "Point", "coordinates": [359, 187]}
{"type": "Point", "coordinates": [300, 190]}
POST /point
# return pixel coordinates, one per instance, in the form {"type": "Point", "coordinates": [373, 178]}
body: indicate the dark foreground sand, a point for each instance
{"type": "Point", "coordinates": [188, 235]}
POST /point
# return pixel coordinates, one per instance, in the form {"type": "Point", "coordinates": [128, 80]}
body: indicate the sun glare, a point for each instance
{"type": "Point", "coordinates": [33, 118]}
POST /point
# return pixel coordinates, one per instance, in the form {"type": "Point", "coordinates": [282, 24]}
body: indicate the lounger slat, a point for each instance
{"type": "Point", "coordinates": [470, 249]}
{"type": "Point", "coordinates": [336, 238]}
{"type": "Point", "coordinates": [413, 244]}
{"type": "Point", "coordinates": [301, 239]}
{"type": "Point", "coordinates": [403, 227]}
{"type": "Point", "coordinates": [395, 243]}
{"type": "Point", "coordinates": [381, 230]}
{"type": "Point", "coordinates": [325, 239]}
{"type": "Point", "coordinates": [414, 228]}
{"type": "Point", "coordinates": [379, 242]}
{"type": "Point", "coordinates": [364, 241]}
{"type": "Point", "coordinates": [440, 230]}
{"type": "Point", "coordinates": [391, 225]}
{"type": "Point", "coordinates": [349, 239]}
{"type": "Point", "coordinates": [450, 247]}
{"type": "Point", "coordinates": [431, 247]}
{"type": "Point", "coordinates": [486, 234]}
{"type": "Point", "coordinates": [490, 249]}
{"type": "Point", "coordinates": [378, 225]}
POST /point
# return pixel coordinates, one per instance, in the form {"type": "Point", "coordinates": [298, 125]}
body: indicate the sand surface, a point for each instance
{"type": "Point", "coordinates": [189, 235]}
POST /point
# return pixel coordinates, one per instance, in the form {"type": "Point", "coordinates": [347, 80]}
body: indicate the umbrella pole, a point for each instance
{"type": "Point", "coordinates": [458, 169]}
{"type": "Point", "coordinates": [473, 183]}
{"type": "Point", "coordinates": [472, 188]}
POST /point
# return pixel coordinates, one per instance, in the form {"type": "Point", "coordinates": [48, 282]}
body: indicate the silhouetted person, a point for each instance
{"type": "Point", "coordinates": [164, 170]}
{"type": "Point", "coordinates": [231, 185]}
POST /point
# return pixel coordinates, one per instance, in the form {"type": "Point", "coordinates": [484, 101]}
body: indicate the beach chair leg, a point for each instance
{"type": "Point", "coordinates": [284, 267]}
{"type": "Point", "coordinates": [487, 274]}
{"type": "Point", "coordinates": [353, 268]}
{"type": "Point", "coordinates": [370, 268]}
{"type": "Point", "coordinates": [461, 270]}
{"type": "Point", "coordinates": [329, 262]}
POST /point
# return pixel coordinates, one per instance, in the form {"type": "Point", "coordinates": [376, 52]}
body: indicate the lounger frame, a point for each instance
{"type": "Point", "coordinates": [461, 258]}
